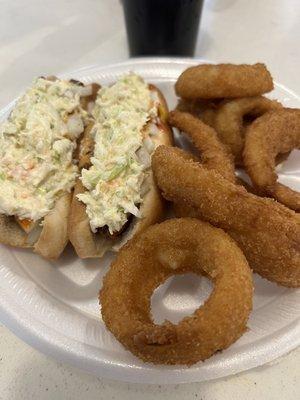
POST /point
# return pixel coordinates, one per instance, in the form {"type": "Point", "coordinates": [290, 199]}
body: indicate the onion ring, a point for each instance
{"type": "Point", "coordinates": [229, 123]}
{"type": "Point", "coordinates": [201, 108]}
{"type": "Point", "coordinates": [208, 81]}
{"type": "Point", "coordinates": [273, 133]}
{"type": "Point", "coordinates": [175, 247]}
{"type": "Point", "coordinates": [267, 232]}
{"type": "Point", "coordinates": [214, 154]}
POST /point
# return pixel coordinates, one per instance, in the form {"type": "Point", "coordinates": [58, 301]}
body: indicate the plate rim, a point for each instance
{"type": "Point", "coordinates": [40, 339]}
{"type": "Point", "coordinates": [36, 336]}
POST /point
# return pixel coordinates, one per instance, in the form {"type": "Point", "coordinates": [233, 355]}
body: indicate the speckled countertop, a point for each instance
{"type": "Point", "coordinates": [92, 31]}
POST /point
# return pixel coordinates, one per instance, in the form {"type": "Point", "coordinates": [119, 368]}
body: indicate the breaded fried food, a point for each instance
{"type": "Point", "coordinates": [267, 232]}
{"type": "Point", "coordinates": [208, 81]}
{"type": "Point", "coordinates": [194, 107]}
{"type": "Point", "coordinates": [229, 120]}
{"type": "Point", "coordinates": [213, 154]}
{"type": "Point", "coordinates": [176, 247]}
{"type": "Point", "coordinates": [203, 109]}
{"type": "Point", "coordinates": [274, 133]}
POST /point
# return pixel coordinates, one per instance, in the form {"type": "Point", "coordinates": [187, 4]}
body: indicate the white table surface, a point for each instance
{"type": "Point", "coordinates": [47, 37]}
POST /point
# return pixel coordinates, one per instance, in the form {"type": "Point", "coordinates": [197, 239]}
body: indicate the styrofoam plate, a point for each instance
{"type": "Point", "coordinates": [54, 307]}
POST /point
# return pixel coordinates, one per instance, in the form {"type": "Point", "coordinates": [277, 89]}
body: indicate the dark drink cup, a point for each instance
{"type": "Point", "coordinates": [162, 27]}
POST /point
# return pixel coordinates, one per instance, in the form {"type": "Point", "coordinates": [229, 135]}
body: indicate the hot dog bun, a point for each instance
{"type": "Point", "coordinates": [91, 245]}
{"type": "Point", "coordinates": [49, 236]}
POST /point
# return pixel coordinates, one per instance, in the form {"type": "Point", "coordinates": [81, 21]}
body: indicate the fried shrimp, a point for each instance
{"type": "Point", "coordinates": [176, 247]}
{"type": "Point", "coordinates": [229, 120]}
{"type": "Point", "coordinates": [267, 232]}
{"type": "Point", "coordinates": [274, 133]}
{"type": "Point", "coordinates": [208, 81]}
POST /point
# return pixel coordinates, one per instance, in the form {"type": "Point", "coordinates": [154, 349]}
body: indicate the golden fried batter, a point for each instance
{"type": "Point", "coordinates": [229, 122]}
{"type": "Point", "coordinates": [267, 232]}
{"type": "Point", "coordinates": [208, 81]}
{"type": "Point", "coordinates": [176, 247]}
{"type": "Point", "coordinates": [203, 109]}
{"type": "Point", "coordinates": [214, 154]}
{"type": "Point", "coordinates": [274, 133]}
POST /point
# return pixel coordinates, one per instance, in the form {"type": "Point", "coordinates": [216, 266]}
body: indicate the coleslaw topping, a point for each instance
{"type": "Point", "coordinates": [116, 181]}
{"type": "Point", "coordinates": [37, 142]}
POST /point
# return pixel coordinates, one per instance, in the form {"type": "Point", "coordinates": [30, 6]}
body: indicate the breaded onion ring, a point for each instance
{"type": "Point", "coordinates": [194, 107]}
{"type": "Point", "coordinates": [274, 133]}
{"type": "Point", "coordinates": [229, 123]}
{"type": "Point", "coordinates": [208, 116]}
{"type": "Point", "coordinates": [203, 109]}
{"type": "Point", "coordinates": [267, 232]}
{"type": "Point", "coordinates": [208, 81]}
{"type": "Point", "coordinates": [213, 153]}
{"type": "Point", "coordinates": [176, 247]}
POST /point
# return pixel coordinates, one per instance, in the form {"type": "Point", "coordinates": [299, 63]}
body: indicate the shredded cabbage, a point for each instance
{"type": "Point", "coordinates": [36, 148]}
{"type": "Point", "coordinates": [119, 167]}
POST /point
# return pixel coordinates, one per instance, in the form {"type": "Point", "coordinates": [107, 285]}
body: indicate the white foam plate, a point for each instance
{"type": "Point", "coordinates": [54, 306]}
